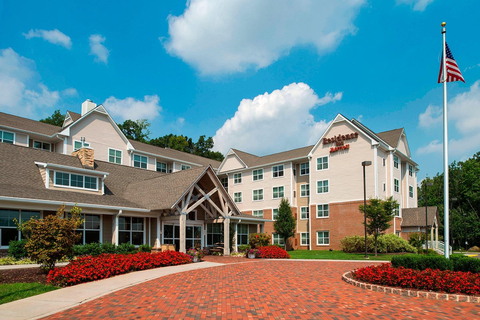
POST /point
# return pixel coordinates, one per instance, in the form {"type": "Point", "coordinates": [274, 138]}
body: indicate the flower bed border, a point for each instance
{"type": "Point", "coordinates": [348, 278]}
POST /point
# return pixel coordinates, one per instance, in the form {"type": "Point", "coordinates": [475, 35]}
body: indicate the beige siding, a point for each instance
{"type": "Point", "coordinates": [382, 173]}
{"type": "Point", "coordinates": [231, 163]}
{"type": "Point", "coordinates": [69, 189]}
{"type": "Point", "coordinates": [21, 139]}
{"type": "Point", "coordinates": [402, 146]}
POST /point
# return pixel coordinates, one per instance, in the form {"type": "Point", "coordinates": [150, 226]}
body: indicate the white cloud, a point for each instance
{"type": "Point", "coordinates": [97, 48]}
{"type": "Point", "coordinates": [217, 36]}
{"type": "Point", "coordinates": [433, 147]}
{"type": "Point", "coordinates": [131, 108]}
{"type": "Point", "coordinates": [433, 115]}
{"type": "Point", "coordinates": [275, 121]}
{"type": "Point", "coordinates": [70, 92]}
{"type": "Point", "coordinates": [21, 92]}
{"type": "Point", "coordinates": [53, 36]}
{"type": "Point", "coordinates": [418, 5]}
{"type": "Point", "coordinates": [180, 121]}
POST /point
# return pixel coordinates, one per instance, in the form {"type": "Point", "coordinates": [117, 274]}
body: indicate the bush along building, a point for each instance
{"type": "Point", "coordinates": [324, 182]}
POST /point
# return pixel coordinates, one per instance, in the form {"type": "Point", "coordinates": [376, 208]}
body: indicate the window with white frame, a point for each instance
{"type": "Point", "coordinates": [304, 190]}
{"type": "Point", "coordinates": [304, 239]}
{"type": "Point", "coordinates": [410, 191]}
{"type": "Point", "coordinates": [396, 185]}
{"type": "Point", "coordinates": [42, 145]}
{"type": "Point", "coordinates": [242, 234]}
{"type": "Point", "coordinates": [90, 229]}
{"type": "Point", "coordinates": [7, 137]}
{"type": "Point", "coordinates": [130, 230]}
{"type": "Point", "coordinates": [140, 161]}
{"type": "Point", "coordinates": [384, 187]}
{"type": "Point", "coordinates": [304, 213]}
{"type": "Point", "coordinates": [8, 227]}
{"type": "Point", "coordinates": [323, 238]}
{"type": "Point", "coordinates": [75, 181]}
{"type": "Point", "coordinates": [161, 167]}
{"type": "Point", "coordinates": [184, 167]}
{"type": "Point", "coordinates": [274, 214]}
{"type": "Point", "coordinates": [278, 171]}
{"type": "Point", "coordinates": [304, 168]}
{"type": "Point", "coordinates": [396, 211]}
{"type": "Point", "coordinates": [114, 156]}
{"type": "Point", "coordinates": [322, 163]}
{"type": "Point", "coordinates": [322, 186]}
{"type": "Point", "coordinates": [323, 211]}
{"type": "Point", "coordinates": [384, 161]}
{"type": "Point", "coordinates": [278, 192]}
{"type": "Point", "coordinates": [237, 197]}
{"type": "Point", "coordinates": [78, 145]}
{"type": "Point", "coordinates": [237, 178]}
{"type": "Point", "coordinates": [410, 170]}
{"type": "Point", "coordinates": [258, 195]}
{"type": "Point", "coordinates": [257, 175]}
{"type": "Point", "coordinates": [395, 161]}
{"type": "Point", "coordinates": [276, 239]}
{"type": "Point", "coordinates": [258, 213]}
{"type": "Point", "coordinates": [224, 182]}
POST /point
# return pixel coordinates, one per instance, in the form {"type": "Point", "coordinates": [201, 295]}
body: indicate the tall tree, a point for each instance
{"type": "Point", "coordinates": [379, 215]}
{"type": "Point", "coordinates": [285, 223]}
{"type": "Point", "coordinates": [183, 143]}
{"type": "Point", "coordinates": [55, 119]}
{"type": "Point", "coordinates": [136, 130]}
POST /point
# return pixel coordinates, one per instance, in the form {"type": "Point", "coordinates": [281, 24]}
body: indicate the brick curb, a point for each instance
{"type": "Point", "coordinates": [408, 292]}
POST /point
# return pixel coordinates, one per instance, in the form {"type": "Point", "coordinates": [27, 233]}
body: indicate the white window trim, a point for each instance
{"type": "Point", "coordinates": [282, 176]}
{"type": "Point", "coordinates": [70, 187]}
{"type": "Point", "coordinates": [328, 187]}
{"type": "Point", "coordinates": [184, 167]}
{"type": "Point", "coordinates": [398, 162]}
{"type": "Point", "coordinates": [241, 197]}
{"type": "Point", "coordinates": [33, 145]}
{"type": "Point", "coordinates": [323, 244]}
{"type": "Point", "coordinates": [328, 162]}
{"type": "Point", "coordinates": [85, 144]}
{"type": "Point", "coordinates": [14, 136]}
{"type": "Point", "coordinates": [308, 212]}
{"type": "Point", "coordinates": [395, 179]}
{"type": "Point", "coordinates": [279, 192]}
{"type": "Point", "coordinates": [316, 211]}
{"type": "Point", "coordinates": [305, 184]}
{"type": "Point", "coordinates": [253, 213]}
{"type": "Point", "coordinates": [241, 178]}
{"type": "Point", "coordinates": [308, 237]}
{"type": "Point", "coordinates": [272, 213]}
{"type": "Point", "coordinates": [410, 166]}
{"type": "Point", "coordinates": [279, 244]}
{"type": "Point", "coordinates": [156, 166]}
{"type": "Point", "coordinates": [131, 230]}
{"type": "Point", "coordinates": [121, 156]}
{"type": "Point", "coordinates": [308, 166]}
{"type": "Point", "coordinates": [413, 192]}
{"type": "Point", "coordinates": [140, 155]}
{"type": "Point", "coordinates": [253, 176]}
{"type": "Point", "coordinates": [253, 195]}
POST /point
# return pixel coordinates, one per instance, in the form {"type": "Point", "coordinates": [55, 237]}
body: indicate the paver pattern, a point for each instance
{"type": "Point", "coordinates": [264, 289]}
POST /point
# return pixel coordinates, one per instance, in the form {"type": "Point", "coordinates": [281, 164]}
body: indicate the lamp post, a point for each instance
{"type": "Point", "coordinates": [427, 184]}
{"type": "Point", "coordinates": [365, 164]}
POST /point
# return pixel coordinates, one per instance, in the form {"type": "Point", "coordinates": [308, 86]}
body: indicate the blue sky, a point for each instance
{"type": "Point", "coordinates": [259, 76]}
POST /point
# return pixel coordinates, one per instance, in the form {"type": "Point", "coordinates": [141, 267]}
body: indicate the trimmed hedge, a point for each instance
{"type": "Point", "coordinates": [464, 264]}
{"type": "Point", "coordinates": [388, 243]}
{"type": "Point", "coordinates": [95, 249]}
{"type": "Point", "coordinates": [16, 249]}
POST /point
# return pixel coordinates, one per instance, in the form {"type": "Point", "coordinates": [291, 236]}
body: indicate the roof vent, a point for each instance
{"type": "Point", "coordinates": [87, 106]}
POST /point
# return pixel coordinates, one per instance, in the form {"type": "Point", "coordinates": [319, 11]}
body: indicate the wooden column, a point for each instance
{"type": "Point", "coordinates": [183, 235]}
{"type": "Point", "coordinates": [226, 236]}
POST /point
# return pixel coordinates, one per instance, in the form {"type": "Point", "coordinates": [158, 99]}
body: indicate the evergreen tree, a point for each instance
{"type": "Point", "coordinates": [55, 119]}
{"type": "Point", "coordinates": [285, 223]}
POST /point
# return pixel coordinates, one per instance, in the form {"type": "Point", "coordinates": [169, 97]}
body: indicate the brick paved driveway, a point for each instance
{"type": "Point", "coordinates": [264, 290]}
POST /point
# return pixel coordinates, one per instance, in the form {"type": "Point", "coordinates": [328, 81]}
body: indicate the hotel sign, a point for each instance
{"type": "Point", "coordinates": [340, 141]}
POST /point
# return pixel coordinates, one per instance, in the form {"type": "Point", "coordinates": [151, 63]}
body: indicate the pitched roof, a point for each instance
{"type": "Point", "coordinates": [175, 154]}
{"type": "Point", "coordinates": [75, 116]}
{"type": "Point", "coordinates": [391, 137]}
{"type": "Point", "coordinates": [16, 122]}
{"type": "Point", "coordinates": [415, 217]}
{"type": "Point", "coordinates": [253, 161]}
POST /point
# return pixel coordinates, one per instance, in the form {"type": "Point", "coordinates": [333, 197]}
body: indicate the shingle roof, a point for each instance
{"type": "Point", "coordinates": [253, 161]}
{"type": "Point", "coordinates": [175, 154]}
{"type": "Point", "coordinates": [12, 121]}
{"type": "Point", "coordinates": [391, 137]}
{"type": "Point", "coordinates": [415, 217]}
{"type": "Point", "coordinates": [75, 116]}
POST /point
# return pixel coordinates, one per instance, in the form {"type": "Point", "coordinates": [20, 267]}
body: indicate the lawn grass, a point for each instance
{"type": "Point", "coordinates": [337, 255]}
{"type": "Point", "coordinates": [15, 291]}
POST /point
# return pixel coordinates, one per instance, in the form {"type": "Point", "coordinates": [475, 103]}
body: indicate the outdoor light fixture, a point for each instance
{"type": "Point", "coordinates": [427, 184]}
{"type": "Point", "coordinates": [365, 164]}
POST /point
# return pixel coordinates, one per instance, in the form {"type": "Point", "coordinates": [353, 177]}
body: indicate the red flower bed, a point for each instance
{"type": "Point", "coordinates": [91, 268]}
{"type": "Point", "coordinates": [272, 252]}
{"type": "Point", "coordinates": [427, 280]}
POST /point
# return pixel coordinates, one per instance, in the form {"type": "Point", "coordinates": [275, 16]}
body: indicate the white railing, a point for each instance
{"type": "Point", "coordinates": [438, 246]}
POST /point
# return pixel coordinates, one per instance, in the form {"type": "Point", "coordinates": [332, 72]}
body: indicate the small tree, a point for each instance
{"type": "Point", "coordinates": [285, 223]}
{"type": "Point", "coordinates": [379, 215]}
{"type": "Point", "coordinates": [52, 238]}
{"type": "Point", "coordinates": [55, 119]}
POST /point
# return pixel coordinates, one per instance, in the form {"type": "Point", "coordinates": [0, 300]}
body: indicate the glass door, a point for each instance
{"type": "Point", "coordinates": [193, 237]}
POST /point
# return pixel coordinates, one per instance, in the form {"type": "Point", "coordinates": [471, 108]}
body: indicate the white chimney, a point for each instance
{"type": "Point", "coordinates": [87, 106]}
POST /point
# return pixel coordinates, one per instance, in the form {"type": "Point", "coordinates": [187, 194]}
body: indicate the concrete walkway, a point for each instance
{"type": "Point", "coordinates": [55, 301]}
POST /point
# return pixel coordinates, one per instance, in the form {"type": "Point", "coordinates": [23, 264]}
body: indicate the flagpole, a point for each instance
{"type": "Point", "coordinates": [445, 150]}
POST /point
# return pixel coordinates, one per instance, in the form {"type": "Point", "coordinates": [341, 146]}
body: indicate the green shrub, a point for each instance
{"type": "Point", "coordinates": [244, 248]}
{"type": "Point", "coordinates": [389, 243]}
{"type": "Point", "coordinates": [258, 240]}
{"type": "Point", "coordinates": [466, 264]}
{"type": "Point", "coordinates": [108, 248]}
{"type": "Point", "coordinates": [145, 248]}
{"type": "Point", "coordinates": [125, 248]}
{"type": "Point", "coordinates": [353, 244]}
{"type": "Point", "coordinates": [16, 249]}
{"type": "Point", "coordinates": [89, 249]}
{"type": "Point", "coordinates": [12, 261]}
{"type": "Point", "coordinates": [422, 262]}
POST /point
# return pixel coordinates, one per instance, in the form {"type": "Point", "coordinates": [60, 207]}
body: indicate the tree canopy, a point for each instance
{"type": "Point", "coordinates": [55, 119]}
{"type": "Point", "coordinates": [285, 223]}
{"type": "Point", "coordinates": [136, 130]}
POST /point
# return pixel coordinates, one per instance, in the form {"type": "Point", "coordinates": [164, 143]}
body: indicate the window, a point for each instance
{"type": "Point", "coordinates": [237, 197]}
{"type": "Point", "coordinates": [90, 229]}
{"type": "Point", "coordinates": [304, 169]}
{"type": "Point", "coordinates": [278, 171]}
{"type": "Point", "coordinates": [258, 213]}
{"type": "Point", "coordinates": [214, 233]}
{"type": "Point", "coordinates": [237, 178]}
{"type": "Point", "coordinates": [304, 239]}
{"type": "Point", "coordinates": [130, 230]}
{"type": "Point", "coordinates": [322, 163]}
{"type": "Point", "coordinates": [161, 167]}
{"type": "Point", "coordinates": [42, 145]}
{"type": "Point", "coordinates": [114, 156]}
{"type": "Point", "coordinates": [322, 186]}
{"type": "Point", "coordinates": [257, 175]}
{"type": "Point", "coordinates": [75, 180]}
{"type": "Point", "coordinates": [7, 137]}
{"type": "Point", "coordinates": [304, 213]}
{"type": "Point", "coordinates": [184, 167]}
{"type": "Point", "coordinates": [410, 170]}
{"type": "Point", "coordinates": [8, 228]}
{"type": "Point", "coordinates": [258, 195]}
{"type": "Point", "coordinates": [384, 161]}
{"type": "Point", "coordinates": [384, 187]}
{"type": "Point", "coordinates": [274, 214]}
{"type": "Point", "coordinates": [395, 161]}
{"type": "Point", "coordinates": [277, 239]}
{"type": "Point", "coordinates": [323, 211]}
{"type": "Point", "coordinates": [396, 211]}
{"type": "Point", "coordinates": [140, 161]}
{"type": "Point", "coordinates": [224, 182]}
{"type": "Point", "coordinates": [410, 191]}
{"type": "Point", "coordinates": [323, 238]}
{"type": "Point", "coordinates": [304, 190]}
{"type": "Point", "coordinates": [78, 145]}
{"type": "Point", "coordinates": [278, 192]}
{"type": "Point", "coordinates": [242, 234]}
{"type": "Point", "coordinates": [396, 185]}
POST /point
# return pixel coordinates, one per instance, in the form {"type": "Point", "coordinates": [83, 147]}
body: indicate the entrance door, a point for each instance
{"type": "Point", "coordinates": [171, 234]}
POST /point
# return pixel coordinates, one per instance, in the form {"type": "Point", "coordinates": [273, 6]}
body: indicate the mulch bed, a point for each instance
{"type": "Point", "coordinates": [23, 275]}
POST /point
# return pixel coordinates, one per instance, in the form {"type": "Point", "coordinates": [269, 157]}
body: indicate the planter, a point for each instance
{"type": "Point", "coordinates": [195, 259]}
{"type": "Point", "coordinates": [251, 255]}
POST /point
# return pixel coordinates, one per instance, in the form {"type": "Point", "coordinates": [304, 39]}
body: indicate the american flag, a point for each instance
{"type": "Point", "coordinates": [453, 72]}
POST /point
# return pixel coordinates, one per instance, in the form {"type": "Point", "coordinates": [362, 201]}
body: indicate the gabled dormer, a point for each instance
{"type": "Point", "coordinates": [233, 161]}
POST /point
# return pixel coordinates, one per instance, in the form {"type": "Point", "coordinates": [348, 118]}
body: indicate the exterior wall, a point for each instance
{"type": "Point", "coordinates": [402, 146]}
{"type": "Point", "coordinates": [21, 139]}
{"type": "Point", "coordinates": [397, 174]}
{"type": "Point", "coordinates": [231, 163]}
{"type": "Point", "coordinates": [382, 174]}
{"type": "Point", "coordinates": [107, 232]}
{"type": "Point", "coordinates": [43, 173]}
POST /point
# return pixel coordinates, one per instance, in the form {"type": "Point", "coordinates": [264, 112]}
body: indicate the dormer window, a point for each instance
{"type": "Point", "coordinates": [7, 137]}
{"type": "Point", "coordinates": [42, 145]}
{"type": "Point", "coordinates": [64, 179]}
